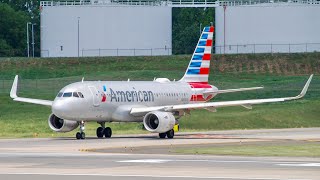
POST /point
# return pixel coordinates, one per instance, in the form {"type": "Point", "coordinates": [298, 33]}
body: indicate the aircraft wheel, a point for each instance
{"type": "Point", "coordinates": [162, 135]}
{"type": "Point", "coordinates": [170, 134]}
{"type": "Point", "coordinates": [100, 132]}
{"type": "Point", "coordinates": [107, 132]}
{"type": "Point", "coordinates": [78, 135]}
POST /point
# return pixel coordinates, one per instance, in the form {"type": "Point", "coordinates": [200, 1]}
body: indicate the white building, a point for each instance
{"type": "Point", "coordinates": [268, 27]}
{"type": "Point", "coordinates": [82, 28]}
{"type": "Point", "coordinates": [129, 28]}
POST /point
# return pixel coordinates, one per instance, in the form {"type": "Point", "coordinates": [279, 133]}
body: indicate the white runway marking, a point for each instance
{"type": "Point", "coordinates": [146, 161]}
{"type": "Point", "coordinates": [172, 160]}
{"type": "Point", "coordinates": [302, 165]}
{"type": "Point", "coordinates": [213, 161]}
{"type": "Point", "coordinates": [146, 176]}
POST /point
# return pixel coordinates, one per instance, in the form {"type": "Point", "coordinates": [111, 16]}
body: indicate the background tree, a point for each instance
{"type": "Point", "coordinates": [14, 16]}
{"type": "Point", "coordinates": [186, 27]}
{"type": "Point", "coordinates": [12, 31]}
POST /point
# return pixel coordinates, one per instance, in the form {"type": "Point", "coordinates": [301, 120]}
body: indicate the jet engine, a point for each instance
{"type": "Point", "coordinates": [159, 122]}
{"type": "Point", "coordinates": [60, 125]}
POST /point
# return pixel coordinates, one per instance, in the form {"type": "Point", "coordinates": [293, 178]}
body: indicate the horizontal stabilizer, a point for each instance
{"type": "Point", "coordinates": [238, 90]}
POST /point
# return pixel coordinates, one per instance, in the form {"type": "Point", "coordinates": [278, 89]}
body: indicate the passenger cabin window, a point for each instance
{"type": "Point", "coordinates": [67, 94]}
{"type": "Point", "coordinates": [59, 94]}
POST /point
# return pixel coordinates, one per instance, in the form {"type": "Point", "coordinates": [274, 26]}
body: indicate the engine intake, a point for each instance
{"type": "Point", "coordinates": [159, 122]}
{"type": "Point", "coordinates": [60, 125]}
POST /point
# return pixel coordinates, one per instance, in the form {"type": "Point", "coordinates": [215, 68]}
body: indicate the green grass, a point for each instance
{"type": "Point", "coordinates": [43, 78]}
{"type": "Point", "coordinates": [291, 150]}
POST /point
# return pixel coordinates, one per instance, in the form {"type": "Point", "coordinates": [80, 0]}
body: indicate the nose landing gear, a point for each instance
{"type": "Point", "coordinates": [81, 134]}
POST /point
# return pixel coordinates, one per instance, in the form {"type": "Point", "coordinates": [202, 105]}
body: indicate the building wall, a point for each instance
{"type": "Point", "coordinates": [267, 28]}
{"type": "Point", "coordinates": [105, 31]}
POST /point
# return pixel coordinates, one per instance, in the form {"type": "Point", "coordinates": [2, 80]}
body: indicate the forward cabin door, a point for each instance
{"type": "Point", "coordinates": [96, 96]}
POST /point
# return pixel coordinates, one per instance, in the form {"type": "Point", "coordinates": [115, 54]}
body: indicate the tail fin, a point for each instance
{"type": "Point", "coordinates": [199, 66]}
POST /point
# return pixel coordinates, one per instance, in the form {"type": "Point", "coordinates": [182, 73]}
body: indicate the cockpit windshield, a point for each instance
{"type": "Point", "coordinates": [67, 94]}
{"type": "Point", "coordinates": [70, 94]}
{"type": "Point", "coordinates": [75, 94]}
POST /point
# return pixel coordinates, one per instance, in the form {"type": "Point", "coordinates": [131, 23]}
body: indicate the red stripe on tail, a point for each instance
{"type": "Point", "coordinates": [206, 57]}
{"type": "Point", "coordinates": [211, 29]}
{"type": "Point", "coordinates": [209, 42]}
{"type": "Point", "coordinates": [204, 70]}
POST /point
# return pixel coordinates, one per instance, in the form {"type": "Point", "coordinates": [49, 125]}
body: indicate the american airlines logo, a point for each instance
{"type": "Point", "coordinates": [104, 96]}
{"type": "Point", "coordinates": [130, 96]}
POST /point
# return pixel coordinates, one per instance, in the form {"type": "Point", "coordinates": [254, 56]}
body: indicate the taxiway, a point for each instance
{"type": "Point", "coordinates": [120, 158]}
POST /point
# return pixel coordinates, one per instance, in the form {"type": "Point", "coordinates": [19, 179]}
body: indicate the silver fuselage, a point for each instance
{"type": "Point", "coordinates": [112, 100]}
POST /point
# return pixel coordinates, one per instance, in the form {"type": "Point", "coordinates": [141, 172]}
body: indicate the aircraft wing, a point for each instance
{"type": "Point", "coordinates": [214, 105]}
{"type": "Point", "coordinates": [13, 95]}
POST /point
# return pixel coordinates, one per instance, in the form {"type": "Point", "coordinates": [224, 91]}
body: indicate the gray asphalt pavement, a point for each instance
{"type": "Point", "coordinates": [66, 158]}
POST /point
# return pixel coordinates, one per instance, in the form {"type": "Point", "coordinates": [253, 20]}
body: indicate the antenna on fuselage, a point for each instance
{"type": "Point", "coordinates": [154, 78]}
{"type": "Point", "coordinates": [128, 80]}
{"type": "Point", "coordinates": [82, 79]}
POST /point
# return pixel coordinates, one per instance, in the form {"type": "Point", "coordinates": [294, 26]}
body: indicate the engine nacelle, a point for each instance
{"type": "Point", "coordinates": [159, 122]}
{"type": "Point", "coordinates": [60, 125]}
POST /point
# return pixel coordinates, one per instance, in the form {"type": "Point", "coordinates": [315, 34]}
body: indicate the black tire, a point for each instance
{"type": "Point", "coordinates": [83, 135]}
{"type": "Point", "coordinates": [78, 135]}
{"type": "Point", "coordinates": [100, 132]}
{"type": "Point", "coordinates": [107, 132]}
{"type": "Point", "coordinates": [170, 134]}
{"type": "Point", "coordinates": [162, 135]}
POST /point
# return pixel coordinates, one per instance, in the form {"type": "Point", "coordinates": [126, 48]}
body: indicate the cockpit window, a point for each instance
{"type": "Point", "coordinates": [75, 94]}
{"type": "Point", "coordinates": [59, 94]}
{"type": "Point", "coordinates": [80, 94]}
{"type": "Point", "coordinates": [67, 94]}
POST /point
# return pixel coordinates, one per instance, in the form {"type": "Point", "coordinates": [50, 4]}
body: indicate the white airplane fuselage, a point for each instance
{"type": "Point", "coordinates": [112, 101]}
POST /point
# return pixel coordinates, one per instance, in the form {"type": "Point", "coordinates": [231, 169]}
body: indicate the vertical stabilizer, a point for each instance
{"type": "Point", "coordinates": [199, 66]}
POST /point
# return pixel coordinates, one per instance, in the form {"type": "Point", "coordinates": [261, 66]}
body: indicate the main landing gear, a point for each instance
{"type": "Point", "coordinates": [104, 131]}
{"type": "Point", "coordinates": [81, 134]}
{"type": "Point", "coordinates": [169, 134]}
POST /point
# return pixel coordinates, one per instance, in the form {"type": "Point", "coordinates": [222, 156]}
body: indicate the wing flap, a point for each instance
{"type": "Point", "coordinates": [244, 103]}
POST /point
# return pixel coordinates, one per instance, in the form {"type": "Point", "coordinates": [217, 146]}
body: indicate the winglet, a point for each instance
{"type": "Point", "coordinates": [304, 90]}
{"type": "Point", "coordinates": [306, 86]}
{"type": "Point", "coordinates": [13, 92]}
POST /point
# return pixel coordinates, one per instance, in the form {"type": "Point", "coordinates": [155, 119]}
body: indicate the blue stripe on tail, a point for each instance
{"type": "Point", "coordinates": [195, 64]}
{"type": "Point", "coordinates": [197, 57]}
{"type": "Point", "coordinates": [204, 36]}
{"type": "Point", "coordinates": [193, 71]}
{"type": "Point", "coordinates": [199, 50]}
{"type": "Point", "coordinates": [202, 43]}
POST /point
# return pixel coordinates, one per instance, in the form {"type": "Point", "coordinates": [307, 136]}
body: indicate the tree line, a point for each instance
{"type": "Point", "coordinates": [15, 14]}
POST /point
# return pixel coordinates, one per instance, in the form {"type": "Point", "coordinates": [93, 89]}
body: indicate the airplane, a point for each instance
{"type": "Point", "coordinates": [159, 104]}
